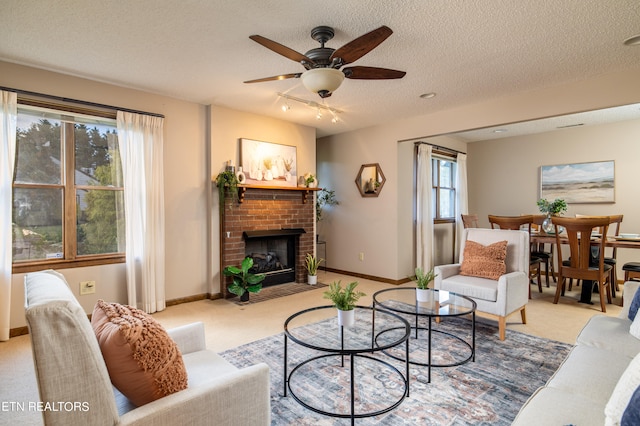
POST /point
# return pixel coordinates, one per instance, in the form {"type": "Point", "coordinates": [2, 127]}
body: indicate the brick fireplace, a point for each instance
{"type": "Point", "coordinates": [259, 210]}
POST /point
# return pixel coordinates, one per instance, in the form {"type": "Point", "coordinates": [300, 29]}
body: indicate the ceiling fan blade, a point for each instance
{"type": "Point", "coordinates": [280, 49]}
{"type": "Point", "coordinates": [276, 77]}
{"type": "Point", "coordinates": [359, 47]}
{"type": "Point", "coordinates": [372, 73]}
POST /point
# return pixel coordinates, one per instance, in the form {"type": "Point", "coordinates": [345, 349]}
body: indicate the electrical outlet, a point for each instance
{"type": "Point", "coordinates": [361, 256]}
{"type": "Point", "coordinates": [87, 287]}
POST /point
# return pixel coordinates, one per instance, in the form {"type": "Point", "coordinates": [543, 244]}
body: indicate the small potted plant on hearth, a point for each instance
{"type": "Point", "coordinates": [344, 299]}
{"type": "Point", "coordinates": [244, 282]}
{"type": "Point", "coordinates": [423, 280]}
{"type": "Point", "coordinates": [312, 264]}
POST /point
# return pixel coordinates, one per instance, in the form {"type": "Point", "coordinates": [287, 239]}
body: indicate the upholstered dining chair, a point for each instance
{"type": "Point", "coordinates": [515, 223]}
{"type": "Point", "coordinates": [470, 220]}
{"type": "Point", "coordinates": [582, 264]}
{"type": "Point", "coordinates": [505, 292]}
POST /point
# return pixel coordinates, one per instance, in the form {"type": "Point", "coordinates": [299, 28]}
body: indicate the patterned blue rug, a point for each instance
{"type": "Point", "coordinates": [489, 391]}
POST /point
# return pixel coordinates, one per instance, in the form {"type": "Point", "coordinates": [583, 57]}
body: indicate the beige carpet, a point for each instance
{"type": "Point", "coordinates": [229, 324]}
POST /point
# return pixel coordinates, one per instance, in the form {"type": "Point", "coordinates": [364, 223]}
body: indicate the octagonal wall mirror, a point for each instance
{"type": "Point", "coordinates": [370, 180]}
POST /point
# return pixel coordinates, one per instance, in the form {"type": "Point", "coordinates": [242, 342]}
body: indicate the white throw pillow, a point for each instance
{"type": "Point", "coordinates": [634, 329]}
{"type": "Point", "coordinates": [622, 393]}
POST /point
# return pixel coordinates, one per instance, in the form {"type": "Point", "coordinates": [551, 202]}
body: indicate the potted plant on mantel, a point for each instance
{"type": "Point", "coordinates": [244, 282]}
{"type": "Point", "coordinates": [312, 264]}
{"type": "Point", "coordinates": [345, 301]}
{"type": "Point", "coordinates": [227, 181]}
{"type": "Point", "coordinates": [423, 280]}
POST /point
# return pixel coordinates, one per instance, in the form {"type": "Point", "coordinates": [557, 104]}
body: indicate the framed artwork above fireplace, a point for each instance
{"type": "Point", "coordinates": [268, 164]}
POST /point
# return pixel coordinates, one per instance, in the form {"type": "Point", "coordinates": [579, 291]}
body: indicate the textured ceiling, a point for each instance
{"type": "Point", "coordinates": [199, 50]}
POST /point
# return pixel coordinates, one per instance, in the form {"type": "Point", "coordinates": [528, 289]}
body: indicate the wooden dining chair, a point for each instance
{"type": "Point", "coordinates": [470, 220]}
{"type": "Point", "coordinates": [582, 265]}
{"type": "Point", "coordinates": [539, 251]}
{"type": "Point", "coordinates": [516, 223]}
{"type": "Point", "coordinates": [614, 221]}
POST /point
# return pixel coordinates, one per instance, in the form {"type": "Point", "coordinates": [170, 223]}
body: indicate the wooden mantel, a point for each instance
{"type": "Point", "coordinates": [302, 189]}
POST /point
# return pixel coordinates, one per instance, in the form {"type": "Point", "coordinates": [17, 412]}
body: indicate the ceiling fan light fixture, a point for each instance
{"type": "Point", "coordinates": [322, 81]}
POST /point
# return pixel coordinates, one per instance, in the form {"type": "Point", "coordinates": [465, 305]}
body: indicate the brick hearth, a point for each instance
{"type": "Point", "coordinates": [266, 209]}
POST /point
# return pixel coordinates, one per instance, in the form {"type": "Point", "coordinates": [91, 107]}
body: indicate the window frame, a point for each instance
{"type": "Point", "coordinates": [437, 157]}
{"type": "Point", "coordinates": [69, 188]}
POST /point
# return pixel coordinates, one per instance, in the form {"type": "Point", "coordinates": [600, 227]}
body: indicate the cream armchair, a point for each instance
{"type": "Point", "coordinates": [72, 376]}
{"type": "Point", "coordinates": [510, 293]}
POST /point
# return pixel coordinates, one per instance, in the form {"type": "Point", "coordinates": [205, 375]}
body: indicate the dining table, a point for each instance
{"type": "Point", "coordinates": [542, 237]}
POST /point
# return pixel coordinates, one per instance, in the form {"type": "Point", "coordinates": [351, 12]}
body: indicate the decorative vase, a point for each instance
{"type": "Point", "coordinates": [423, 295]}
{"type": "Point", "coordinates": [240, 175]}
{"type": "Point", "coordinates": [547, 224]}
{"type": "Point", "coordinates": [313, 279]}
{"type": "Point", "coordinates": [346, 318]}
{"type": "Point", "coordinates": [244, 297]}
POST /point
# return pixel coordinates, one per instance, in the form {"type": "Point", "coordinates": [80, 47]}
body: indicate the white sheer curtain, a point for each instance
{"type": "Point", "coordinates": [141, 149]}
{"type": "Point", "coordinates": [424, 213]}
{"type": "Point", "coordinates": [462, 199]}
{"type": "Point", "coordinates": [8, 123]}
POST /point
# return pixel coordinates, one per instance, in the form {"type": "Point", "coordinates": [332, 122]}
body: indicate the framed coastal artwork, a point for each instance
{"type": "Point", "coordinates": [579, 182]}
{"type": "Point", "coordinates": [268, 164]}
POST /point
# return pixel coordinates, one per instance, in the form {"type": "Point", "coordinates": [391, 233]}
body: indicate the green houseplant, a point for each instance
{"type": "Point", "coordinates": [244, 281]}
{"type": "Point", "coordinates": [344, 299]}
{"type": "Point", "coordinates": [227, 181]}
{"type": "Point", "coordinates": [312, 263]}
{"type": "Point", "coordinates": [423, 279]}
{"type": "Point", "coordinates": [554, 208]}
{"type": "Point", "coordinates": [325, 197]}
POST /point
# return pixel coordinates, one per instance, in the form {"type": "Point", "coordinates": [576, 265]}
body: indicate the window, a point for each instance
{"type": "Point", "coordinates": [444, 191]}
{"type": "Point", "coordinates": [68, 201]}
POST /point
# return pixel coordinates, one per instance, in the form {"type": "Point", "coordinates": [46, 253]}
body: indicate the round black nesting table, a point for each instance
{"type": "Point", "coordinates": [357, 343]}
{"type": "Point", "coordinates": [439, 304]}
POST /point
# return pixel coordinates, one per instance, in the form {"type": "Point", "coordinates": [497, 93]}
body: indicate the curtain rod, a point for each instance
{"type": "Point", "coordinates": [443, 148]}
{"type": "Point", "coordinates": [75, 101]}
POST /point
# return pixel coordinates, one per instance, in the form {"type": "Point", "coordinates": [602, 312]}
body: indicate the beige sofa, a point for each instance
{"type": "Point", "coordinates": [73, 379]}
{"type": "Point", "coordinates": [581, 388]}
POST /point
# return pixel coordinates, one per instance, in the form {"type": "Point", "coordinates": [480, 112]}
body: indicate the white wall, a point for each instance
{"type": "Point", "coordinates": [379, 226]}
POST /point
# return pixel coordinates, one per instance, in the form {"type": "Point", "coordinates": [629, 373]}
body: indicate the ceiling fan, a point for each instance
{"type": "Point", "coordinates": [323, 65]}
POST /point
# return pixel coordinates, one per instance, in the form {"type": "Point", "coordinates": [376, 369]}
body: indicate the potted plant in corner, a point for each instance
{"type": "Point", "coordinates": [423, 280]}
{"type": "Point", "coordinates": [244, 282]}
{"type": "Point", "coordinates": [344, 299]}
{"type": "Point", "coordinates": [312, 264]}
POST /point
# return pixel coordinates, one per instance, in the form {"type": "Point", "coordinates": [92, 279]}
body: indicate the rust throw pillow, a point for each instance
{"type": "Point", "coordinates": [484, 261]}
{"type": "Point", "coordinates": [144, 363]}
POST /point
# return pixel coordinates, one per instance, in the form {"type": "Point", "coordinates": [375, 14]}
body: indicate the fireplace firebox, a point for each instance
{"type": "Point", "coordinates": [273, 253]}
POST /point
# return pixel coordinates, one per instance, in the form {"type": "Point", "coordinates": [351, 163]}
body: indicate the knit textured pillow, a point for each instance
{"type": "Point", "coordinates": [484, 261]}
{"type": "Point", "coordinates": [144, 363]}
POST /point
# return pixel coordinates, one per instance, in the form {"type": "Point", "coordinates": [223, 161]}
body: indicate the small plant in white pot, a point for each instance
{"type": "Point", "coordinates": [312, 264]}
{"type": "Point", "coordinates": [344, 299]}
{"type": "Point", "coordinates": [423, 280]}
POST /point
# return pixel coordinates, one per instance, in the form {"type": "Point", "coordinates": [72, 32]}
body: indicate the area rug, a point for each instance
{"type": "Point", "coordinates": [489, 391]}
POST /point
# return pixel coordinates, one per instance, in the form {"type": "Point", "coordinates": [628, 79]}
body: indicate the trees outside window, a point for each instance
{"type": "Point", "coordinates": [67, 190]}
